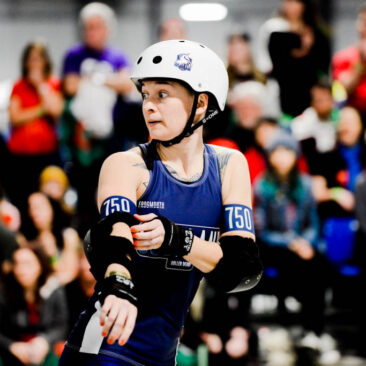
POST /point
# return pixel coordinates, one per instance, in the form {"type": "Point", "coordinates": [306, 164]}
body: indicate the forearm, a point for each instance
{"type": "Point", "coordinates": [22, 116]}
{"type": "Point", "coordinates": [119, 82]}
{"type": "Point", "coordinates": [54, 103]}
{"type": "Point", "coordinates": [204, 255]}
{"type": "Point", "coordinates": [123, 230]}
{"type": "Point", "coordinates": [350, 80]}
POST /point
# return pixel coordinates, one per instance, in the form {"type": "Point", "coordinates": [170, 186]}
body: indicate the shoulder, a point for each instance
{"type": "Point", "coordinates": [346, 54]}
{"type": "Point", "coordinates": [226, 152]}
{"type": "Point", "coordinates": [275, 24]}
{"type": "Point", "coordinates": [73, 58]}
{"type": "Point", "coordinates": [19, 86]}
{"type": "Point", "coordinates": [121, 165]}
{"type": "Point", "coordinates": [74, 51]}
{"type": "Point", "coordinates": [117, 57]}
{"type": "Point", "coordinates": [227, 158]}
{"type": "Point", "coordinates": [125, 158]}
{"type": "Point", "coordinates": [123, 174]}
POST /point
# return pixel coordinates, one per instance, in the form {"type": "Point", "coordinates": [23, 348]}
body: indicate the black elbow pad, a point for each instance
{"type": "Point", "coordinates": [102, 249]}
{"type": "Point", "coordinates": [240, 268]}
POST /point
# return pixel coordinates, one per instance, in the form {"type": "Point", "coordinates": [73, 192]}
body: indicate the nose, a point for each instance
{"type": "Point", "coordinates": [149, 106]}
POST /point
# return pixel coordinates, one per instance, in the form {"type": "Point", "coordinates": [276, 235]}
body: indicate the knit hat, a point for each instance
{"type": "Point", "coordinates": [53, 172]}
{"type": "Point", "coordinates": [284, 139]}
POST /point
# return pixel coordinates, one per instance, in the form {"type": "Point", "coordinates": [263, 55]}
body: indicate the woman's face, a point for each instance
{"type": "Point", "coordinates": [248, 110]}
{"type": "Point", "coordinates": [238, 51]}
{"type": "Point", "coordinates": [40, 211]}
{"type": "Point", "coordinates": [293, 10]}
{"type": "Point", "coordinates": [53, 189]}
{"type": "Point", "coordinates": [322, 101]}
{"type": "Point", "coordinates": [166, 108]}
{"type": "Point", "coordinates": [35, 60]}
{"type": "Point", "coordinates": [264, 132]}
{"type": "Point", "coordinates": [350, 127]}
{"type": "Point", "coordinates": [95, 32]}
{"type": "Point", "coordinates": [27, 267]}
{"type": "Point", "coordinates": [282, 160]}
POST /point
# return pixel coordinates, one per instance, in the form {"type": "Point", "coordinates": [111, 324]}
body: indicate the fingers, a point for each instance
{"type": "Point", "coordinates": [154, 243]}
{"type": "Point", "coordinates": [118, 325]}
{"type": "Point", "coordinates": [129, 326]}
{"type": "Point", "coordinates": [144, 218]}
{"type": "Point", "coordinates": [104, 311]}
{"type": "Point", "coordinates": [147, 226]}
{"type": "Point", "coordinates": [108, 314]}
{"type": "Point", "coordinates": [118, 317]}
{"type": "Point", "coordinates": [148, 235]}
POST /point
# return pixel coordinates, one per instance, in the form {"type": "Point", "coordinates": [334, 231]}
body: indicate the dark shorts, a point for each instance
{"type": "Point", "coordinates": [71, 357]}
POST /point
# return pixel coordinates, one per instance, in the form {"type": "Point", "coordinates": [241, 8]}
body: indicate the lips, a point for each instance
{"type": "Point", "coordinates": [153, 122]}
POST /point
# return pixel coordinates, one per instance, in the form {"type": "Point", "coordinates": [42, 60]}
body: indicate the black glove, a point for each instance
{"type": "Point", "coordinates": [119, 286]}
{"type": "Point", "coordinates": [178, 240]}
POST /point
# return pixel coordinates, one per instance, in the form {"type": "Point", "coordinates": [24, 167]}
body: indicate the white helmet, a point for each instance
{"type": "Point", "coordinates": [186, 61]}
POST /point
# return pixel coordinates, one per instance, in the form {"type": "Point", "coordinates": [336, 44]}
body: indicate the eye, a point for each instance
{"type": "Point", "coordinates": [144, 96]}
{"type": "Point", "coordinates": [163, 95]}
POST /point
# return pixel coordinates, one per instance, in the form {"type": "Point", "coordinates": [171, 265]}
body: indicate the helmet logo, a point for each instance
{"type": "Point", "coordinates": [183, 62]}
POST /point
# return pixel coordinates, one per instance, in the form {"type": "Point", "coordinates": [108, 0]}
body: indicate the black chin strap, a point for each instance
{"type": "Point", "coordinates": [189, 129]}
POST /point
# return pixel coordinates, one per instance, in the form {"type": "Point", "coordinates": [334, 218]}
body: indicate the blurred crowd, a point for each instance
{"type": "Point", "coordinates": [295, 110]}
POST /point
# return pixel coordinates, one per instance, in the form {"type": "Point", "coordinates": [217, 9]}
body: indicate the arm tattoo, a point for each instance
{"type": "Point", "coordinates": [140, 165]}
{"type": "Point", "coordinates": [175, 174]}
{"type": "Point", "coordinates": [223, 161]}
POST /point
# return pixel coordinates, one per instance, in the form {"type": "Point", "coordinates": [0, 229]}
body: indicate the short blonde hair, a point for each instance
{"type": "Point", "coordinates": [101, 10]}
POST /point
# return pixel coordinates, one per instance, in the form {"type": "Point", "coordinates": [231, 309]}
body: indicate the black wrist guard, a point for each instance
{"type": "Point", "coordinates": [178, 240]}
{"type": "Point", "coordinates": [119, 286]}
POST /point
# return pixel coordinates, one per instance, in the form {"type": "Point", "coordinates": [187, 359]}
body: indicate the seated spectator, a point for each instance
{"type": "Point", "coordinates": [255, 155]}
{"type": "Point", "coordinates": [54, 183]}
{"type": "Point", "coordinates": [32, 319]}
{"type": "Point", "coordinates": [228, 337]}
{"type": "Point", "coordinates": [287, 226]}
{"type": "Point", "coordinates": [337, 171]}
{"type": "Point", "coordinates": [248, 103]}
{"type": "Point", "coordinates": [59, 241]}
{"type": "Point", "coordinates": [316, 127]}
{"type": "Point", "coordinates": [35, 104]}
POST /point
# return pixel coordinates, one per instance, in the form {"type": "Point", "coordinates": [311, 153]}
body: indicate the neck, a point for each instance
{"type": "Point", "coordinates": [29, 294]}
{"type": "Point", "coordinates": [187, 156]}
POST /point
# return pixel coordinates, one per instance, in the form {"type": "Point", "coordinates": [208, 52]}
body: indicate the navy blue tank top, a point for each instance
{"type": "Point", "coordinates": [166, 285]}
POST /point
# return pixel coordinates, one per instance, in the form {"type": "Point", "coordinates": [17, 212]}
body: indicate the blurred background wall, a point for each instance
{"type": "Point", "coordinates": [56, 21]}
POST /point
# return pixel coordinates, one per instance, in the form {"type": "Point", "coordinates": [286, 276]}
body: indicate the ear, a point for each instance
{"type": "Point", "coordinates": [202, 104]}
